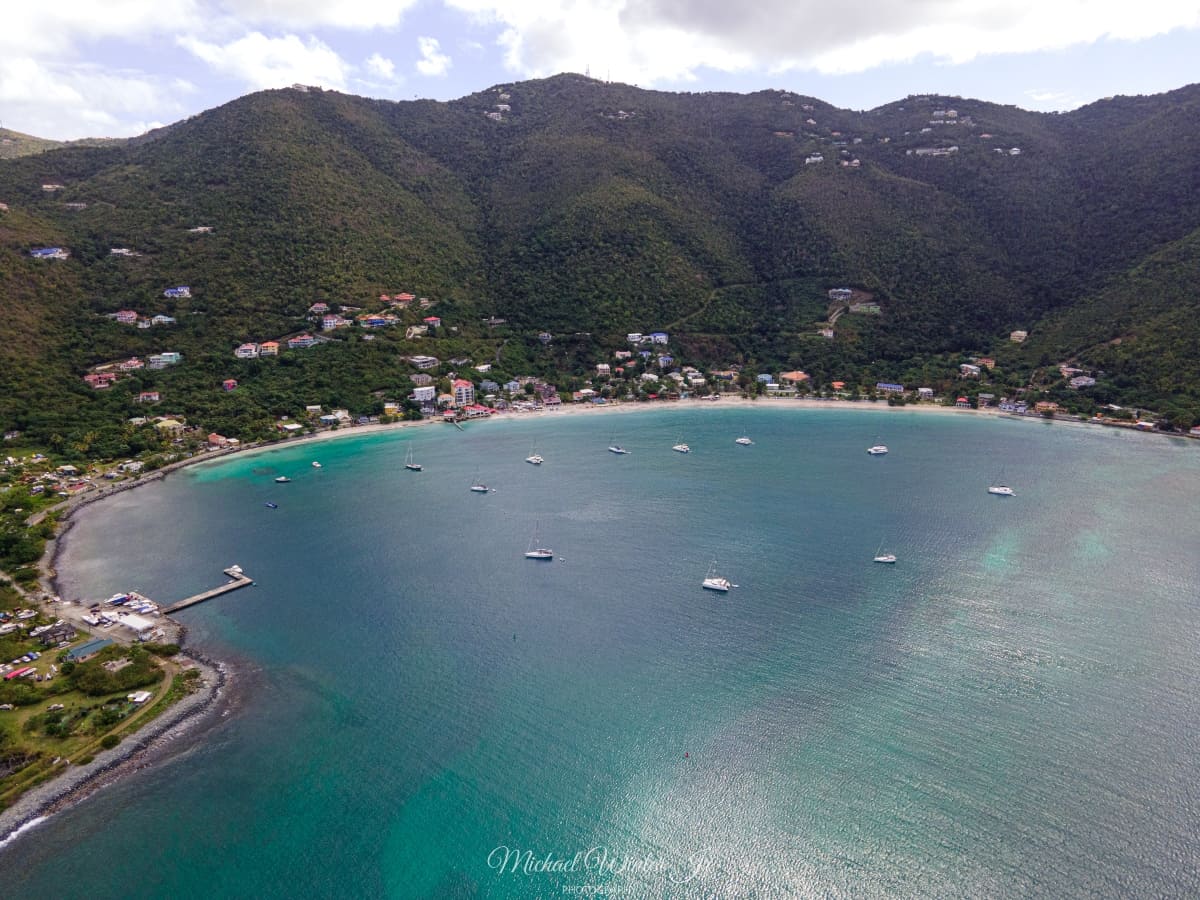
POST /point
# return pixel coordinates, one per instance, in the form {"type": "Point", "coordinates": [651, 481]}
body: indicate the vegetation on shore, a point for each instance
{"type": "Point", "coordinates": [70, 711]}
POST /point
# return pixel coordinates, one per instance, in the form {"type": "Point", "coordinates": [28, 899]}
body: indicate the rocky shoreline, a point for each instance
{"type": "Point", "coordinates": [79, 782]}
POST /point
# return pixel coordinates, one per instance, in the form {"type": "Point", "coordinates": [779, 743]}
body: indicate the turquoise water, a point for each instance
{"type": "Point", "coordinates": [1011, 710]}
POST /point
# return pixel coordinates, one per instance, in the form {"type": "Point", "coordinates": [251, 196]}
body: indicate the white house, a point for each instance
{"type": "Point", "coordinates": [425, 394]}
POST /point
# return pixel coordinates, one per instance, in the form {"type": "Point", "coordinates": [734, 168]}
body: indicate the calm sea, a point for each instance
{"type": "Point", "coordinates": [1010, 710]}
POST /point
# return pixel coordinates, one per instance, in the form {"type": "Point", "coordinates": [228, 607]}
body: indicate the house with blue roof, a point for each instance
{"type": "Point", "coordinates": [176, 292]}
{"type": "Point", "coordinates": [49, 253]}
{"type": "Point", "coordinates": [86, 651]}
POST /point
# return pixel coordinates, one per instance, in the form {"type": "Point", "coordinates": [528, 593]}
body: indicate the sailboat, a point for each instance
{"type": "Point", "coordinates": [479, 487]}
{"type": "Point", "coordinates": [744, 441]}
{"type": "Point", "coordinates": [616, 448]}
{"type": "Point", "coordinates": [533, 457]}
{"type": "Point", "coordinates": [1001, 490]}
{"type": "Point", "coordinates": [681, 447]}
{"type": "Point", "coordinates": [878, 449]}
{"type": "Point", "coordinates": [714, 582]}
{"type": "Point", "coordinates": [881, 557]}
{"type": "Point", "coordinates": [408, 461]}
{"type": "Point", "coordinates": [536, 552]}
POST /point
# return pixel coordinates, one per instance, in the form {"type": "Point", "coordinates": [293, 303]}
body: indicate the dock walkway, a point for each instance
{"type": "Point", "coordinates": [240, 580]}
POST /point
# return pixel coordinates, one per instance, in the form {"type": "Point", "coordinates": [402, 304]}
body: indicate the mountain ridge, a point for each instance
{"type": "Point", "coordinates": [600, 209]}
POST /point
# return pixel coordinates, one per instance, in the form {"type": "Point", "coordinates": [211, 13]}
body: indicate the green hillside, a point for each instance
{"type": "Point", "coordinates": [590, 210]}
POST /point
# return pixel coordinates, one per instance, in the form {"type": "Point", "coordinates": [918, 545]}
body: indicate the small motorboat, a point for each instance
{"type": "Point", "coordinates": [316, 465]}
{"type": "Point", "coordinates": [282, 479]}
{"type": "Point", "coordinates": [271, 505]}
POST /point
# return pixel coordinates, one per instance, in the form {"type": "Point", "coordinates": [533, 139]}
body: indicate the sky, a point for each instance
{"type": "Point", "coordinates": [116, 68]}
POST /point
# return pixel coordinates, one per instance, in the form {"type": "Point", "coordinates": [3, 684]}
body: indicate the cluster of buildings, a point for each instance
{"type": "Point", "coordinates": [105, 375]}
{"type": "Point", "coordinates": [132, 317]}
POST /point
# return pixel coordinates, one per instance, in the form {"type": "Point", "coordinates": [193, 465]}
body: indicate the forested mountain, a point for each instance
{"type": "Point", "coordinates": [589, 210]}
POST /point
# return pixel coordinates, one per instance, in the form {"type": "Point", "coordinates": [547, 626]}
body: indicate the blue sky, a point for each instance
{"type": "Point", "coordinates": [79, 68]}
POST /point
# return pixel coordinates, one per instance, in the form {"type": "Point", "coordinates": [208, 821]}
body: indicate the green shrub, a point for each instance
{"type": "Point", "coordinates": [109, 741]}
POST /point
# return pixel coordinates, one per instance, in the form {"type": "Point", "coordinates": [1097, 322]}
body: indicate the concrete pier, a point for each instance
{"type": "Point", "coordinates": [240, 580]}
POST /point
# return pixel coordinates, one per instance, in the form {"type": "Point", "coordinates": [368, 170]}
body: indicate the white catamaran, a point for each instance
{"type": "Point", "coordinates": [714, 582]}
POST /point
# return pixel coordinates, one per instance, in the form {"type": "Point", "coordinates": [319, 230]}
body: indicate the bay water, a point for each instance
{"type": "Point", "coordinates": [1009, 710]}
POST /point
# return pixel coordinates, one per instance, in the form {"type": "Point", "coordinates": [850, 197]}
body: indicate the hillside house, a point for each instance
{"type": "Point", "coordinates": [1044, 406]}
{"type": "Point", "coordinates": [986, 362]}
{"type": "Point", "coordinates": [301, 342]}
{"type": "Point", "coordinates": [814, 159]}
{"type": "Point", "coordinates": [247, 351]}
{"type": "Point", "coordinates": [658, 337]}
{"type": "Point", "coordinates": [512, 387]}
{"type": "Point", "coordinates": [161, 319]}
{"type": "Point", "coordinates": [176, 293]}
{"type": "Point", "coordinates": [432, 322]}
{"type": "Point", "coordinates": [49, 253]}
{"type": "Point", "coordinates": [421, 379]}
{"type": "Point", "coordinates": [217, 440]}
{"type": "Point", "coordinates": [201, 229]}
{"type": "Point", "coordinates": [99, 380]}
{"type": "Point", "coordinates": [634, 337]}
{"type": "Point", "coordinates": [924, 393]}
{"type": "Point", "coordinates": [966, 370]}
{"type": "Point", "coordinates": [424, 362]}
{"type": "Point", "coordinates": [1082, 381]}
{"type": "Point", "coordinates": [887, 387]}
{"type": "Point", "coordinates": [126, 316]}
{"type": "Point", "coordinates": [1018, 337]}
{"type": "Point", "coordinates": [603, 369]}
{"type": "Point", "coordinates": [148, 397]}
{"type": "Point", "coordinates": [268, 348]}
{"type": "Point", "coordinates": [764, 378]}
{"type": "Point", "coordinates": [962, 403]}
{"type": "Point", "coordinates": [318, 309]}
{"type": "Point", "coordinates": [796, 377]}
{"type": "Point", "coordinates": [985, 400]}
{"type": "Point", "coordinates": [545, 337]}
{"type": "Point", "coordinates": [826, 333]}
{"type": "Point", "coordinates": [424, 394]}
{"type": "Point", "coordinates": [131, 365]}
{"type": "Point", "coordinates": [623, 354]}
{"type": "Point", "coordinates": [229, 384]}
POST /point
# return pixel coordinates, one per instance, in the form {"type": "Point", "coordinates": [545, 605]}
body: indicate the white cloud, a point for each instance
{"type": "Point", "coordinates": [70, 101]}
{"type": "Point", "coordinates": [381, 67]}
{"type": "Point", "coordinates": [268, 62]}
{"type": "Point", "coordinates": [310, 14]}
{"type": "Point", "coordinates": [664, 40]}
{"type": "Point", "coordinates": [433, 61]}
